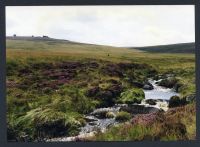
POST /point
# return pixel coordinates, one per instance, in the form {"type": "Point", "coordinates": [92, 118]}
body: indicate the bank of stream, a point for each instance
{"type": "Point", "coordinates": [155, 100]}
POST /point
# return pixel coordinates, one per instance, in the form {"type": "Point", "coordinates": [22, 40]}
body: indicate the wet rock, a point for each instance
{"type": "Point", "coordinates": [148, 86]}
{"type": "Point", "coordinates": [103, 112]}
{"type": "Point", "coordinates": [100, 113]}
{"type": "Point", "coordinates": [168, 82]}
{"type": "Point", "coordinates": [92, 123]}
{"type": "Point", "coordinates": [151, 101]}
{"type": "Point", "coordinates": [90, 119]}
{"type": "Point", "coordinates": [139, 109]}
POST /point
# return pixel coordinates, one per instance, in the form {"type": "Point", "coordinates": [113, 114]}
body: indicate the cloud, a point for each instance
{"type": "Point", "coordinates": [108, 25]}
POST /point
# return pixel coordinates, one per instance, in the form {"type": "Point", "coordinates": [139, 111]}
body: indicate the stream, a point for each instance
{"type": "Point", "coordinates": [159, 94]}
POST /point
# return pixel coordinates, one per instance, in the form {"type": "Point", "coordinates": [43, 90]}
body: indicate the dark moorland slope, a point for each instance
{"type": "Point", "coordinates": [172, 48]}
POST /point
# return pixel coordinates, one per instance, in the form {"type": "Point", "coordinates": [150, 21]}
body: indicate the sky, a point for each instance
{"type": "Point", "coordinates": [106, 25]}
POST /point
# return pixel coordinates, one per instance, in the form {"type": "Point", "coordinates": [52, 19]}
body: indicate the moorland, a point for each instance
{"type": "Point", "coordinates": [53, 84]}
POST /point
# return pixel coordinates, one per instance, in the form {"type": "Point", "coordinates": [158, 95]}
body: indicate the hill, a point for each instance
{"type": "Point", "coordinates": [172, 48]}
{"type": "Point", "coordinates": [52, 85]}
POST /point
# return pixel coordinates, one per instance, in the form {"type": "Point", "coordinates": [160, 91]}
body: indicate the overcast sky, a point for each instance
{"type": "Point", "coordinates": [106, 25]}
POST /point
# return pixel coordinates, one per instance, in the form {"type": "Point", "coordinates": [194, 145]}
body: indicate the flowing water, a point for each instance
{"type": "Point", "coordinates": [159, 92]}
{"type": "Point", "coordinates": [96, 123]}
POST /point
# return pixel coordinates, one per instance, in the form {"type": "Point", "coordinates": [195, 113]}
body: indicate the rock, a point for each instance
{"type": "Point", "coordinates": [151, 101]}
{"type": "Point", "coordinates": [168, 82]}
{"type": "Point", "coordinates": [148, 86]}
{"type": "Point", "coordinates": [139, 109]}
{"type": "Point", "coordinates": [176, 101]}
{"type": "Point", "coordinates": [101, 113]}
{"type": "Point", "coordinates": [92, 123]}
{"type": "Point", "coordinates": [90, 119]}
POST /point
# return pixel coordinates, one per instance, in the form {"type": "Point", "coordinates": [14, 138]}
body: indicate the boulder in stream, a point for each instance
{"type": "Point", "coordinates": [148, 86]}
{"type": "Point", "coordinates": [139, 109]}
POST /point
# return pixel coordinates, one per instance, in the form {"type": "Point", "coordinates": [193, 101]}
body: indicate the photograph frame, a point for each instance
{"type": "Point", "coordinates": [3, 130]}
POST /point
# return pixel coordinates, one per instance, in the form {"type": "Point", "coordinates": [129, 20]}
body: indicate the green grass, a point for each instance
{"type": "Point", "coordinates": [132, 96]}
{"type": "Point", "coordinates": [34, 95]}
{"type": "Point", "coordinates": [123, 116]}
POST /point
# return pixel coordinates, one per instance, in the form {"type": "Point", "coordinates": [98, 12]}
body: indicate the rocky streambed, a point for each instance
{"type": "Point", "coordinates": [156, 100]}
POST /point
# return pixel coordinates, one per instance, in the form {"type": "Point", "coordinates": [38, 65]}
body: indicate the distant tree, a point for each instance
{"type": "Point", "coordinates": [14, 35]}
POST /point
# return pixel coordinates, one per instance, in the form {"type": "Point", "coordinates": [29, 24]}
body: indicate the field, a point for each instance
{"type": "Point", "coordinates": [52, 84]}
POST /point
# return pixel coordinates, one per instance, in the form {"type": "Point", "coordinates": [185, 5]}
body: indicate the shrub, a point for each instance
{"type": "Point", "coordinates": [123, 116]}
{"type": "Point", "coordinates": [132, 96]}
{"type": "Point", "coordinates": [110, 115]}
{"type": "Point", "coordinates": [49, 123]}
{"type": "Point", "coordinates": [176, 101]}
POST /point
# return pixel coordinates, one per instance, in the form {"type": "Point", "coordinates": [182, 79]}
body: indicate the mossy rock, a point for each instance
{"type": "Point", "coordinates": [132, 96]}
{"type": "Point", "coordinates": [168, 82]}
{"type": "Point", "coordinates": [123, 116]}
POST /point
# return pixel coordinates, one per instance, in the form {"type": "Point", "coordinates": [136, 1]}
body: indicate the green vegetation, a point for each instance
{"type": "Point", "coordinates": [110, 115]}
{"type": "Point", "coordinates": [132, 96]}
{"type": "Point", "coordinates": [174, 125]}
{"type": "Point", "coordinates": [123, 116]}
{"type": "Point", "coordinates": [52, 84]}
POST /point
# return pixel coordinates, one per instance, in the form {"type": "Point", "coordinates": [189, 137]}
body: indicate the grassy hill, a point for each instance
{"type": "Point", "coordinates": [52, 84]}
{"type": "Point", "coordinates": [172, 48]}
